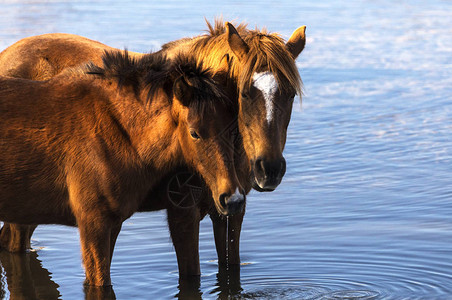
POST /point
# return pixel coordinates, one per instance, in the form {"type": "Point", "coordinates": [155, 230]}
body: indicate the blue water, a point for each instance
{"type": "Point", "coordinates": [364, 211]}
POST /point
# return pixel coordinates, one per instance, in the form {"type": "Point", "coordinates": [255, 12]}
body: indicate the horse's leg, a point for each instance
{"type": "Point", "coordinates": [95, 240]}
{"type": "Point", "coordinates": [15, 237]}
{"type": "Point", "coordinates": [98, 227]}
{"type": "Point", "coordinates": [113, 237]}
{"type": "Point", "coordinates": [227, 253]}
{"type": "Point", "coordinates": [184, 228]}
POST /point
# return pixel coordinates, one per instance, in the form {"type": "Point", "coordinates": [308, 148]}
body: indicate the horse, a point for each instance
{"type": "Point", "coordinates": [262, 76]}
{"type": "Point", "coordinates": [85, 147]}
{"type": "Point", "coordinates": [262, 68]}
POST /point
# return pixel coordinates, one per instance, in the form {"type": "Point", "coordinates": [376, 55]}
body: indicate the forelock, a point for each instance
{"type": "Point", "coordinates": [268, 53]}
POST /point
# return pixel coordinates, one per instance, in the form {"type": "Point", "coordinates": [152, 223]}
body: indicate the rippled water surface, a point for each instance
{"type": "Point", "coordinates": [365, 209]}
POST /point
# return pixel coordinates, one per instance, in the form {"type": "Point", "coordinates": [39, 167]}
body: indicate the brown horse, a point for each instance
{"type": "Point", "coordinates": [84, 148]}
{"type": "Point", "coordinates": [262, 76]}
{"type": "Point", "coordinates": [265, 108]}
{"type": "Point", "coordinates": [262, 71]}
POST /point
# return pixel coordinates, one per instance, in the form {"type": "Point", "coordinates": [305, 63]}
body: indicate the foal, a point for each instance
{"type": "Point", "coordinates": [84, 148]}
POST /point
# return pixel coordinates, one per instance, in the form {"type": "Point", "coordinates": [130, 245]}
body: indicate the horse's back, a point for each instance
{"type": "Point", "coordinates": [42, 57]}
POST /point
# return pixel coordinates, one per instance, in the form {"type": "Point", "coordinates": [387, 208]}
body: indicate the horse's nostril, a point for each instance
{"type": "Point", "coordinates": [223, 199]}
{"type": "Point", "coordinates": [259, 165]}
{"type": "Point", "coordinates": [268, 173]}
{"type": "Point", "coordinates": [262, 165]}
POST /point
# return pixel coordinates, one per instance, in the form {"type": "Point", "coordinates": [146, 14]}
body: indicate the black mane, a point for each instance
{"type": "Point", "coordinates": [155, 71]}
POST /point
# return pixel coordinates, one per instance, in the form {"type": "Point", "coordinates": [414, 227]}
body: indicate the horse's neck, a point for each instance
{"type": "Point", "coordinates": [151, 129]}
{"type": "Point", "coordinates": [160, 145]}
{"type": "Point", "coordinates": [182, 46]}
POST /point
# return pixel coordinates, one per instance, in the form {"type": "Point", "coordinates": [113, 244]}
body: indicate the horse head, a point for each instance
{"type": "Point", "coordinates": [206, 123]}
{"type": "Point", "coordinates": [268, 81]}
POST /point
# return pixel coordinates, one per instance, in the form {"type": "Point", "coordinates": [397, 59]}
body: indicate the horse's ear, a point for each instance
{"type": "Point", "coordinates": [183, 91]}
{"type": "Point", "coordinates": [236, 43]}
{"type": "Point", "coordinates": [297, 41]}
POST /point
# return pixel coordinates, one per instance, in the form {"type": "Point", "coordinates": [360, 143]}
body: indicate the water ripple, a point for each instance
{"type": "Point", "coordinates": [364, 210]}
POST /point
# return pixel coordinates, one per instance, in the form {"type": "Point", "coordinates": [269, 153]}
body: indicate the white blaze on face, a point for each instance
{"type": "Point", "coordinates": [267, 84]}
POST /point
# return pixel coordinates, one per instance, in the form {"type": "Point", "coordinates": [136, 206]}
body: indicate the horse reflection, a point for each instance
{"type": "Point", "coordinates": [99, 292]}
{"type": "Point", "coordinates": [189, 288]}
{"type": "Point", "coordinates": [24, 278]}
{"type": "Point", "coordinates": [228, 282]}
{"type": "Point", "coordinates": [228, 285]}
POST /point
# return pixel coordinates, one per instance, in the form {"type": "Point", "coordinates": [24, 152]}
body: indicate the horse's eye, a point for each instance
{"type": "Point", "coordinates": [194, 134]}
{"type": "Point", "coordinates": [245, 95]}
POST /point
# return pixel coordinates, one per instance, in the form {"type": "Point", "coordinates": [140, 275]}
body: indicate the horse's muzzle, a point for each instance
{"type": "Point", "coordinates": [268, 174]}
{"type": "Point", "coordinates": [232, 204]}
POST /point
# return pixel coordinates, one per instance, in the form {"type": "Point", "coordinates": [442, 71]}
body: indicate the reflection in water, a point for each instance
{"type": "Point", "coordinates": [364, 208]}
{"type": "Point", "coordinates": [227, 286]}
{"type": "Point", "coordinates": [189, 288]}
{"type": "Point", "coordinates": [24, 277]}
{"type": "Point", "coordinates": [99, 293]}
{"type": "Point", "coordinates": [2, 285]}
{"type": "Point", "coordinates": [228, 282]}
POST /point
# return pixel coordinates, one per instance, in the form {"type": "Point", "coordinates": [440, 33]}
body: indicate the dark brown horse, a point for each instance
{"type": "Point", "coordinates": [85, 147]}
{"type": "Point", "coordinates": [262, 76]}
{"type": "Point", "coordinates": [265, 80]}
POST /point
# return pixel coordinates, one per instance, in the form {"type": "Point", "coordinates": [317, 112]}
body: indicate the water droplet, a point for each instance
{"type": "Point", "coordinates": [227, 238]}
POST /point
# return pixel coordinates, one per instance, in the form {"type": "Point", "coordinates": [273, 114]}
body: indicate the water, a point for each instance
{"type": "Point", "coordinates": [364, 211]}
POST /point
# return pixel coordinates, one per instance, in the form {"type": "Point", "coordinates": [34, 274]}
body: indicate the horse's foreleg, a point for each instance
{"type": "Point", "coordinates": [184, 228]}
{"type": "Point", "coordinates": [113, 236]}
{"type": "Point", "coordinates": [15, 237]}
{"type": "Point", "coordinates": [95, 240]}
{"type": "Point", "coordinates": [228, 251]}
